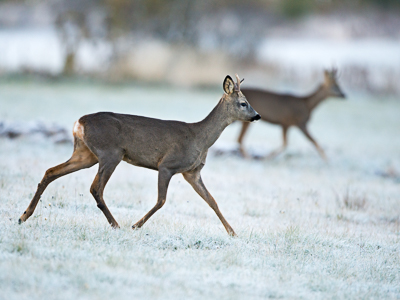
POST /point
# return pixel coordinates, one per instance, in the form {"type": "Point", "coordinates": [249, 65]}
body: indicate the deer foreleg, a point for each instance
{"type": "Point", "coordinates": [321, 152]}
{"type": "Point", "coordinates": [164, 177]}
{"type": "Point", "coordinates": [245, 126]}
{"type": "Point", "coordinates": [194, 178]}
{"type": "Point", "coordinates": [284, 144]}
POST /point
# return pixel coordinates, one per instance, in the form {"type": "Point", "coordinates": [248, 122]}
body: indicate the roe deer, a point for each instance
{"type": "Point", "coordinates": [170, 147]}
{"type": "Point", "coordinates": [287, 110]}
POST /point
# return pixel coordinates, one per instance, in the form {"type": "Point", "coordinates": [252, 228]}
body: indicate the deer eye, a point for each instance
{"type": "Point", "coordinates": [243, 104]}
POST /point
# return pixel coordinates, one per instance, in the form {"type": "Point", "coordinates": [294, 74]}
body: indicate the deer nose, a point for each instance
{"type": "Point", "coordinates": [256, 117]}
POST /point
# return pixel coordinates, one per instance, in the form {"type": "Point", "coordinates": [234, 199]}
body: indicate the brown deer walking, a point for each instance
{"type": "Point", "coordinates": [288, 110]}
{"type": "Point", "coordinates": [170, 147]}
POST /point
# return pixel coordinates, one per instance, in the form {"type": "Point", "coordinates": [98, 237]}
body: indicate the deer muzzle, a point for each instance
{"type": "Point", "coordinates": [255, 118]}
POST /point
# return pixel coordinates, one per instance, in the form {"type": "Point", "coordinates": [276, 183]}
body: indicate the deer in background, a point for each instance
{"type": "Point", "coordinates": [287, 110]}
{"type": "Point", "coordinates": [170, 147]}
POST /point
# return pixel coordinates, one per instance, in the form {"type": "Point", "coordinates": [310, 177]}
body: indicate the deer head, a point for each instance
{"type": "Point", "coordinates": [332, 85]}
{"type": "Point", "coordinates": [237, 104]}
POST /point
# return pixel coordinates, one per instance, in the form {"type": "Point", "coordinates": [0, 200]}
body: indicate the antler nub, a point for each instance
{"type": "Point", "coordinates": [237, 85]}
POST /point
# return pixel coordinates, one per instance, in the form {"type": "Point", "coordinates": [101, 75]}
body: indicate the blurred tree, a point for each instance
{"type": "Point", "coordinates": [386, 4]}
{"type": "Point", "coordinates": [180, 21]}
{"type": "Point", "coordinates": [296, 8]}
{"type": "Point", "coordinates": [71, 28]}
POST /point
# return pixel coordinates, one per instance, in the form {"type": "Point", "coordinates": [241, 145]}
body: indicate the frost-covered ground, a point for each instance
{"type": "Point", "coordinates": [306, 229]}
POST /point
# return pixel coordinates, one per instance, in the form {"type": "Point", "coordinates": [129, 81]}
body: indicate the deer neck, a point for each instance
{"type": "Point", "coordinates": [209, 129]}
{"type": "Point", "coordinates": [317, 97]}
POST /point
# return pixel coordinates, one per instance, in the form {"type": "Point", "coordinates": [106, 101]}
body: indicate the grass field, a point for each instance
{"type": "Point", "coordinates": [306, 229]}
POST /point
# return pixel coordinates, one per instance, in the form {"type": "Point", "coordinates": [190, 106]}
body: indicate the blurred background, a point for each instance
{"type": "Point", "coordinates": [272, 43]}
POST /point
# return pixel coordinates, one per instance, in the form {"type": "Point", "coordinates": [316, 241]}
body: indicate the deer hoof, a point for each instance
{"type": "Point", "coordinates": [258, 157]}
{"type": "Point", "coordinates": [232, 233]}
{"type": "Point", "coordinates": [22, 218]}
{"type": "Point", "coordinates": [136, 226]}
{"type": "Point", "coordinates": [115, 226]}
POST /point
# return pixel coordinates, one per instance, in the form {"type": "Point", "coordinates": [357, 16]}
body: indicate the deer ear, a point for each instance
{"type": "Point", "coordinates": [228, 85]}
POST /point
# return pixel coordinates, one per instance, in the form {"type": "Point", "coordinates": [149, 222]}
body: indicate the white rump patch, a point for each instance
{"type": "Point", "coordinates": [78, 130]}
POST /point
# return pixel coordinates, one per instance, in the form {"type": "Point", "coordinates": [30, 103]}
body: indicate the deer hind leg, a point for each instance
{"type": "Point", "coordinates": [321, 152]}
{"type": "Point", "coordinates": [194, 178]}
{"type": "Point", "coordinates": [107, 166]}
{"type": "Point", "coordinates": [81, 158]}
{"type": "Point", "coordinates": [164, 177]}
{"type": "Point", "coordinates": [245, 126]}
{"type": "Point", "coordinates": [275, 153]}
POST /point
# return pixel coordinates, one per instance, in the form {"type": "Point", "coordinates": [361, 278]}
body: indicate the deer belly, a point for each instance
{"type": "Point", "coordinates": [143, 160]}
